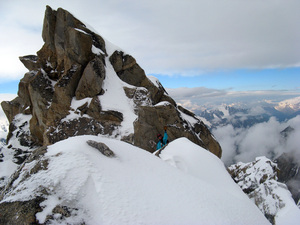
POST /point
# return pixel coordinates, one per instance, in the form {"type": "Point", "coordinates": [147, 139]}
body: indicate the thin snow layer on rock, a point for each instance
{"type": "Point", "coordinates": [188, 118]}
{"type": "Point", "coordinates": [163, 103]}
{"type": "Point", "coordinates": [205, 121]}
{"type": "Point", "coordinates": [73, 113]}
{"type": "Point", "coordinates": [136, 187]}
{"type": "Point", "coordinates": [20, 120]}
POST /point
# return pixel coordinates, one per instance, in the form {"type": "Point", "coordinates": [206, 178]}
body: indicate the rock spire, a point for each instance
{"type": "Point", "coordinates": [79, 84]}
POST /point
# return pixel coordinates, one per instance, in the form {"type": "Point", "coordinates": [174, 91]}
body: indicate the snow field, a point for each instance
{"type": "Point", "coordinates": [137, 187]}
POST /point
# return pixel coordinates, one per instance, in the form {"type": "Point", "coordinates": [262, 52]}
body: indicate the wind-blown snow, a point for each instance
{"type": "Point", "coordinates": [137, 187]}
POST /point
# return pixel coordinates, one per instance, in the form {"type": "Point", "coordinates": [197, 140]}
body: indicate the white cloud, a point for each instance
{"type": "Point", "coordinates": [226, 136]}
{"type": "Point", "coordinates": [21, 35]}
{"type": "Point", "coordinates": [263, 139]}
{"type": "Point", "coordinates": [171, 36]}
{"type": "Point", "coordinates": [240, 144]}
{"type": "Point", "coordinates": [257, 110]}
{"type": "Point", "coordinates": [293, 141]}
{"type": "Point", "coordinates": [196, 92]}
{"type": "Point", "coordinates": [188, 104]}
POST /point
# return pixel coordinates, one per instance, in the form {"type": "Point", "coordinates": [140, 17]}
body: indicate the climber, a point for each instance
{"type": "Point", "coordinates": [162, 140]}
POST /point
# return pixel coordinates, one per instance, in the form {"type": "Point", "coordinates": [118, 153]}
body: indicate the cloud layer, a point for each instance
{"type": "Point", "coordinates": [263, 139]}
{"type": "Point", "coordinates": [199, 97]}
{"type": "Point", "coordinates": [167, 36]}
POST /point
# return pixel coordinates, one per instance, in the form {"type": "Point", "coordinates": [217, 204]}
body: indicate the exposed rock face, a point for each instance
{"type": "Point", "coordinates": [94, 73]}
{"type": "Point", "coordinates": [65, 94]}
{"type": "Point", "coordinates": [153, 118]}
{"type": "Point", "coordinates": [26, 211]}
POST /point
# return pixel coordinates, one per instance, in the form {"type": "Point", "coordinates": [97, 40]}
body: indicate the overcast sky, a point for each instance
{"type": "Point", "coordinates": [219, 44]}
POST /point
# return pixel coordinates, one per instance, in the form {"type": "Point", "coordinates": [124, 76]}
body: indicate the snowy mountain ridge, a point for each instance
{"type": "Point", "coordinates": [259, 180]}
{"type": "Point", "coordinates": [79, 90]}
{"type": "Point", "coordinates": [289, 105]}
{"type": "Point", "coordinates": [241, 115]}
{"type": "Point", "coordinates": [134, 187]}
{"type": "Point", "coordinates": [81, 86]}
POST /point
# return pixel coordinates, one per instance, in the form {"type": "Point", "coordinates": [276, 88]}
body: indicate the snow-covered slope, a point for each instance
{"type": "Point", "coordinates": [135, 187]}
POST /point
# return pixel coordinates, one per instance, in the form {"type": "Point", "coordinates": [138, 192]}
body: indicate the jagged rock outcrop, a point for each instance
{"type": "Point", "coordinates": [259, 180]}
{"type": "Point", "coordinates": [179, 124]}
{"type": "Point", "coordinates": [69, 91]}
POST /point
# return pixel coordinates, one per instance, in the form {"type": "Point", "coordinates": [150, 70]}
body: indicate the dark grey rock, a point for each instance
{"type": "Point", "coordinates": [102, 148]}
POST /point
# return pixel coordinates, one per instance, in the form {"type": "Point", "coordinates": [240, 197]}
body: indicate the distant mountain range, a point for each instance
{"type": "Point", "coordinates": [290, 106]}
{"type": "Point", "coordinates": [242, 115]}
{"type": "Point", "coordinates": [246, 128]}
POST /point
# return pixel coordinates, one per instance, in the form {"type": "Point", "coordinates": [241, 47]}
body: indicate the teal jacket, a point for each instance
{"type": "Point", "coordinates": [163, 142]}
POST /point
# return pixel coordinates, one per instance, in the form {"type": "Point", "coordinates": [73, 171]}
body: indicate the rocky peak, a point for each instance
{"type": "Point", "coordinates": [259, 180]}
{"type": "Point", "coordinates": [80, 84]}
